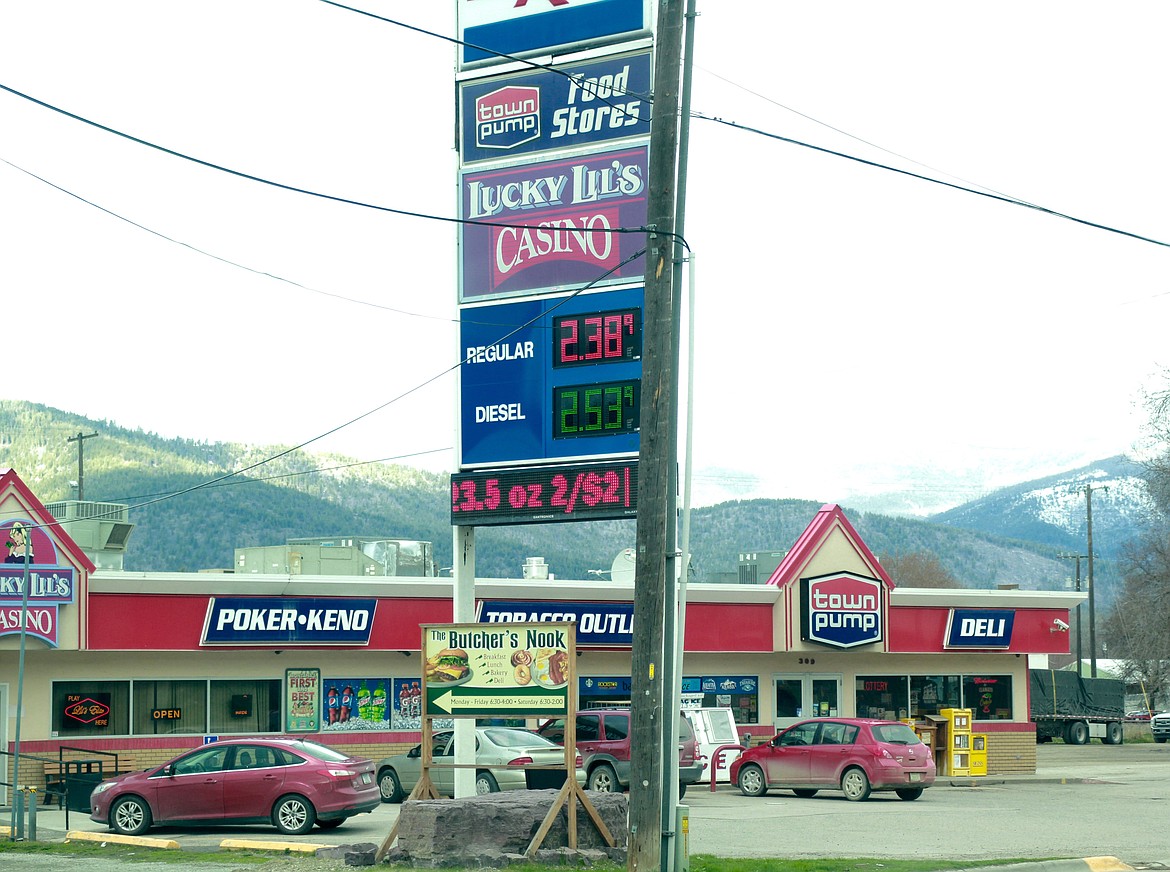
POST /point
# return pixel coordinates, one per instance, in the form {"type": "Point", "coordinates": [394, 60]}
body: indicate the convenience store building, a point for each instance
{"type": "Point", "coordinates": [144, 665]}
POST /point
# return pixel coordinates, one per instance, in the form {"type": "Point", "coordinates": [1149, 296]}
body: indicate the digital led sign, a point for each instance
{"type": "Point", "coordinates": [597, 337]}
{"type": "Point", "coordinates": [545, 494]}
{"type": "Point", "coordinates": [596, 409]}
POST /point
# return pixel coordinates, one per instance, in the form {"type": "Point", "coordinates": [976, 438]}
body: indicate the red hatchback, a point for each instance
{"type": "Point", "coordinates": [855, 756]}
{"type": "Point", "coordinates": [289, 783]}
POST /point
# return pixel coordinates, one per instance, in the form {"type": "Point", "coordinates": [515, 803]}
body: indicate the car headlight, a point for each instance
{"type": "Point", "coordinates": [102, 788]}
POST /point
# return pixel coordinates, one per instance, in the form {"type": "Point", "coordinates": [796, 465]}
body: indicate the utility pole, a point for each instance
{"type": "Point", "coordinates": [80, 440]}
{"type": "Point", "coordinates": [1077, 558]}
{"type": "Point", "coordinates": [1092, 591]}
{"type": "Point", "coordinates": [656, 553]}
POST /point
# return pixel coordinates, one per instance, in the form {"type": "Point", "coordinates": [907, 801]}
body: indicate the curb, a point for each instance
{"type": "Point", "coordinates": [86, 836]}
{"type": "Point", "coordinates": [260, 845]}
{"type": "Point", "coordinates": [1092, 864]}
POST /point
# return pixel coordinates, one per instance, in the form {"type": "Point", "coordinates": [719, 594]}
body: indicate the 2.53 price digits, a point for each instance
{"type": "Point", "coordinates": [595, 410]}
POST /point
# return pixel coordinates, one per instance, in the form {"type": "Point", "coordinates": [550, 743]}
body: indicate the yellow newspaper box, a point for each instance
{"type": "Point", "coordinates": [978, 754]}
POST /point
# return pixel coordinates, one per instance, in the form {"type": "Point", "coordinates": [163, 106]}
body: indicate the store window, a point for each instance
{"type": "Point", "coordinates": [91, 708]}
{"type": "Point", "coordinates": [740, 693]}
{"type": "Point", "coordinates": [931, 693]}
{"type": "Point", "coordinates": [883, 696]}
{"type": "Point", "coordinates": [988, 696]}
{"type": "Point", "coordinates": [170, 707]}
{"type": "Point", "coordinates": [245, 706]}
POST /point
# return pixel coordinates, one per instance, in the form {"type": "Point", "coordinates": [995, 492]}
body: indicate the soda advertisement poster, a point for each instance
{"type": "Point", "coordinates": [355, 704]}
{"type": "Point", "coordinates": [302, 700]}
{"type": "Point", "coordinates": [505, 670]}
{"type": "Point", "coordinates": [554, 225]}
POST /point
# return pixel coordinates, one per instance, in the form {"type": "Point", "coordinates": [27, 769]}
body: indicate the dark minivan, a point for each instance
{"type": "Point", "coordinates": [603, 740]}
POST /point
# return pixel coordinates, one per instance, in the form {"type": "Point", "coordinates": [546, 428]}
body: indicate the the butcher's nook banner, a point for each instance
{"type": "Point", "coordinates": [507, 670]}
{"type": "Point", "coordinates": [551, 224]}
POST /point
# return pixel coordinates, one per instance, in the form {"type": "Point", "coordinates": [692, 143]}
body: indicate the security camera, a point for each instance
{"type": "Point", "coordinates": [1060, 625]}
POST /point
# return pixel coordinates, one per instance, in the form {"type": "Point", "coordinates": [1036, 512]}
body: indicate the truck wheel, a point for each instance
{"type": "Point", "coordinates": [1076, 733]}
{"type": "Point", "coordinates": [1114, 734]}
{"type": "Point", "coordinates": [604, 779]}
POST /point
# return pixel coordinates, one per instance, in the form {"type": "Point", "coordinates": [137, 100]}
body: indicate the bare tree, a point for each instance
{"type": "Point", "coordinates": [918, 569]}
{"type": "Point", "coordinates": [1136, 631]}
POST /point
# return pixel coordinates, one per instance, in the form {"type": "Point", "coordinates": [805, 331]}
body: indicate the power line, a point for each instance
{"type": "Point", "coordinates": [991, 196]}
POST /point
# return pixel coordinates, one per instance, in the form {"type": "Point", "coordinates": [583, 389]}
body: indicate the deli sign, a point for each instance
{"type": "Point", "coordinates": [979, 628]}
{"type": "Point", "coordinates": [842, 610]}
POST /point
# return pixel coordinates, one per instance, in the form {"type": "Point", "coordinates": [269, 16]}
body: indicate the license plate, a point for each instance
{"type": "Point", "coordinates": [915, 776]}
{"type": "Point", "coordinates": [366, 778]}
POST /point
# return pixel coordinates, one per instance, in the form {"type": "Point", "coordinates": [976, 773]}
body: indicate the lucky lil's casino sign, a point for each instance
{"type": "Point", "coordinates": [842, 610]}
{"type": "Point", "coordinates": [553, 225]}
{"type": "Point", "coordinates": [505, 670]}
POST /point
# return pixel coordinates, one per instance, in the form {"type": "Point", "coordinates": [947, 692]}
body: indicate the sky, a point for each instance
{"type": "Point", "coordinates": [858, 331]}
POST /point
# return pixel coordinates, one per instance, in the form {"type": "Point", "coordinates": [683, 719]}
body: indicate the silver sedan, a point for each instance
{"type": "Point", "coordinates": [503, 752]}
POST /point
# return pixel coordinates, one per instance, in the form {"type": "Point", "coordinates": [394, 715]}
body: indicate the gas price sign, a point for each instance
{"type": "Point", "coordinates": [551, 380]}
{"type": "Point", "coordinates": [547, 494]}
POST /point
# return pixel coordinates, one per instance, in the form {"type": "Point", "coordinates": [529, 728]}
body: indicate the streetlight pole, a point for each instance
{"type": "Point", "coordinates": [16, 795]}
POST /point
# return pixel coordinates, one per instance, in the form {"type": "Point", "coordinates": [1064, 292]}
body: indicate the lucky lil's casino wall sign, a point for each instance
{"type": "Point", "coordinates": [842, 610]}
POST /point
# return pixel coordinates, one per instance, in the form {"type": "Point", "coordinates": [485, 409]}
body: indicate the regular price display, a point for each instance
{"type": "Point", "coordinates": [546, 494]}
{"type": "Point", "coordinates": [595, 410]}
{"type": "Point", "coordinates": [597, 337]}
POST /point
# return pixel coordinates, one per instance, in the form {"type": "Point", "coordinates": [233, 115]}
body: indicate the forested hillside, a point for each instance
{"type": "Point", "coordinates": [189, 516]}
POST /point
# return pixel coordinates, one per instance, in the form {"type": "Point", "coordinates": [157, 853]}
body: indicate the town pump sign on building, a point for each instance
{"type": "Point", "coordinates": [521, 670]}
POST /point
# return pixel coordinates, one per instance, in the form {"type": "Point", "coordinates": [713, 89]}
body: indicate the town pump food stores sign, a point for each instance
{"type": "Point", "coordinates": [520, 670]}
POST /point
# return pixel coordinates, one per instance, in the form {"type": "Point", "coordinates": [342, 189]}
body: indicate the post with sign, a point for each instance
{"type": "Point", "coordinates": [503, 670]}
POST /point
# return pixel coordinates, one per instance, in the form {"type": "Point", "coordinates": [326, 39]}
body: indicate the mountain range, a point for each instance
{"type": "Point", "coordinates": [190, 513]}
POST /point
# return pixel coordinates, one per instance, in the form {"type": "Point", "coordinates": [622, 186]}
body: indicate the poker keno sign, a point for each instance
{"type": "Point", "coordinates": [842, 610]}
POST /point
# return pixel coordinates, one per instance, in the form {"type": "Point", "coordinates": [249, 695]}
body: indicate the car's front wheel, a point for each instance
{"type": "Point", "coordinates": [751, 780]}
{"type": "Point", "coordinates": [604, 779]}
{"type": "Point", "coordinates": [389, 786]}
{"type": "Point", "coordinates": [130, 816]}
{"type": "Point", "coordinates": [293, 815]}
{"type": "Point", "coordinates": [855, 784]}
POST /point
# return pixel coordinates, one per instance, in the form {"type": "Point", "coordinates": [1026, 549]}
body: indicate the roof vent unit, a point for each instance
{"type": "Point", "coordinates": [535, 569]}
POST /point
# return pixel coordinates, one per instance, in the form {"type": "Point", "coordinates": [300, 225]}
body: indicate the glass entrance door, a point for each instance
{"type": "Point", "coordinates": [798, 696]}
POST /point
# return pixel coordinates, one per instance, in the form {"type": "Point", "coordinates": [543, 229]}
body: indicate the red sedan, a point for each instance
{"type": "Point", "coordinates": [288, 783]}
{"type": "Point", "coordinates": [853, 755]}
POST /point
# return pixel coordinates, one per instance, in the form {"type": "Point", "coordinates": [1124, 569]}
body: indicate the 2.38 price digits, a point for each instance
{"type": "Point", "coordinates": [597, 337]}
{"type": "Point", "coordinates": [595, 410]}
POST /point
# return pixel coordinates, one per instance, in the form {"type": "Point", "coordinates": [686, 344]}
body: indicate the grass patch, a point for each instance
{"type": "Point", "coordinates": [699, 862]}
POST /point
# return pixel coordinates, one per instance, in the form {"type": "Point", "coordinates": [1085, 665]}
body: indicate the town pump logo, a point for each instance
{"type": "Point", "coordinates": [842, 610]}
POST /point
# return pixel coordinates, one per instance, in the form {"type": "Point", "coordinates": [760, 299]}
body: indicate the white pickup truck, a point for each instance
{"type": "Point", "coordinates": [1160, 726]}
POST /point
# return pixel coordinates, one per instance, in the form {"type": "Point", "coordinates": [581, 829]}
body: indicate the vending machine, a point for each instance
{"type": "Point", "coordinates": [958, 758]}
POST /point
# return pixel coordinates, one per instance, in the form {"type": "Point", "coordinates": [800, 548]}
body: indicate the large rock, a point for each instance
{"type": "Point", "coordinates": [480, 830]}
